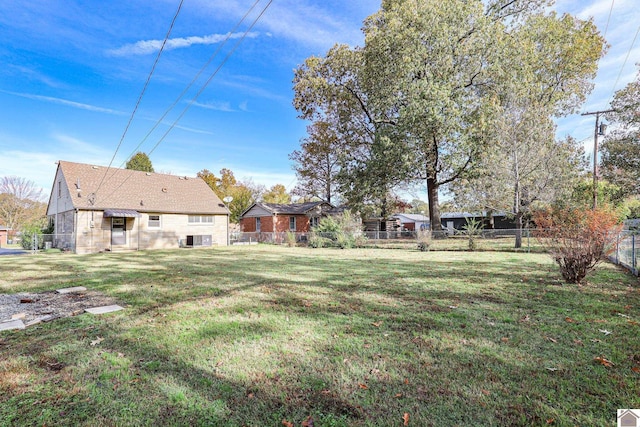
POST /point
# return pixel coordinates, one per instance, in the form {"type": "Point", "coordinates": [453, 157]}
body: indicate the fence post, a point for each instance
{"type": "Point", "coordinates": [633, 252]}
{"type": "Point", "coordinates": [528, 242]}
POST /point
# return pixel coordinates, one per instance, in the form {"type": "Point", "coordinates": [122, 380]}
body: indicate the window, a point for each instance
{"type": "Point", "coordinates": [154, 221]}
{"type": "Point", "coordinates": [314, 221]}
{"type": "Point", "coordinates": [200, 219]}
{"type": "Point", "coordinates": [258, 225]}
{"type": "Point", "coordinates": [292, 223]}
{"type": "Point", "coordinates": [59, 189]}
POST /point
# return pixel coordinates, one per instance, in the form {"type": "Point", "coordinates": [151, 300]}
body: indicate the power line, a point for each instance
{"type": "Point", "coordinates": [608, 19]}
{"type": "Point", "coordinates": [146, 84]}
{"type": "Point", "coordinates": [613, 91]}
{"type": "Point", "coordinates": [202, 88]}
{"type": "Point", "coordinates": [197, 76]}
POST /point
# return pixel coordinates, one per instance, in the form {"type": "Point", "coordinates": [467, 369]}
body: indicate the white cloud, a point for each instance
{"type": "Point", "coordinates": [66, 102]}
{"type": "Point", "coordinates": [223, 106]}
{"type": "Point", "coordinates": [146, 47]}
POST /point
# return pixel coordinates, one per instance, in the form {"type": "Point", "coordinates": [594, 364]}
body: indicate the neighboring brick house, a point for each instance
{"type": "Point", "coordinates": [95, 208]}
{"type": "Point", "coordinates": [280, 218]}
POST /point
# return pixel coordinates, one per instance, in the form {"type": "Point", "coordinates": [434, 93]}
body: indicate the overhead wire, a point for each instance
{"type": "Point", "coordinates": [191, 83]}
{"type": "Point", "coordinates": [633, 42]}
{"type": "Point", "coordinates": [144, 88]}
{"type": "Point", "coordinates": [202, 88]}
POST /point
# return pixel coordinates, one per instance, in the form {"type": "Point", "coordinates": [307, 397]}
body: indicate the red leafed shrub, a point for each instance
{"type": "Point", "coordinates": [577, 239]}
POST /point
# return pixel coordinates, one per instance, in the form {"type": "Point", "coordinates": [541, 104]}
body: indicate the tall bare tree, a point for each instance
{"type": "Point", "coordinates": [21, 202]}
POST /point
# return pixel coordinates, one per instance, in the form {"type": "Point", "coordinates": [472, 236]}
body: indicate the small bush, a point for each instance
{"type": "Point", "coordinates": [317, 241]}
{"type": "Point", "coordinates": [577, 239]}
{"type": "Point", "coordinates": [27, 239]}
{"type": "Point", "coordinates": [424, 240]}
{"type": "Point", "coordinates": [290, 238]}
{"type": "Point", "coordinates": [341, 231]}
{"type": "Point", "coordinates": [472, 229]}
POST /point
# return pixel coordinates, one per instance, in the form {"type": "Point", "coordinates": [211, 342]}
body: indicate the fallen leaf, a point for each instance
{"type": "Point", "coordinates": [363, 386]}
{"type": "Point", "coordinates": [377, 324]}
{"type": "Point", "coordinates": [623, 315]}
{"type": "Point", "coordinates": [398, 395]}
{"type": "Point", "coordinates": [504, 339]}
{"type": "Point", "coordinates": [604, 331]}
{"type": "Point", "coordinates": [219, 363]}
{"type": "Point", "coordinates": [486, 392]}
{"type": "Point", "coordinates": [636, 369]}
{"type": "Point", "coordinates": [551, 369]}
{"type": "Point", "coordinates": [453, 307]}
{"type": "Point", "coordinates": [552, 340]}
{"type": "Point", "coordinates": [97, 341]}
{"type": "Point", "coordinates": [595, 340]}
{"type": "Point", "coordinates": [325, 392]}
{"type": "Point", "coordinates": [120, 354]}
{"type": "Point", "coordinates": [308, 422]}
{"type": "Point", "coordinates": [578, 342]}
{"type": "Point", "coordinates": [406, 380]}
{"type": "Point", "coordinates": [405, 418]}
{"type": "Point", "coordinates": [286, 423]}
{"type": "Point", "coordinates": [250, 396]}
{"type": "Point", "coordinates": [551, 421]}
{"type": "Point", "coordinates": [569, 319]}
{"type": "Point", "coordinates": [603, 361]}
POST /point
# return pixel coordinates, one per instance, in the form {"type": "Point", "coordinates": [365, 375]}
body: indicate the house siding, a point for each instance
{"type": "Point", "coordinates": [173, 231]}
{"type": "Point", "coordinates": [248, 225]}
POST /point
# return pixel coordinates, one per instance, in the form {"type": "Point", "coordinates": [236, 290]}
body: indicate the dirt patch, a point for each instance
{"type": "Point", "coordinates": [47, 306]}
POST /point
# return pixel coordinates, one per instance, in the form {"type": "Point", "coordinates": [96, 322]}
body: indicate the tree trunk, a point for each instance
{"type": "Point", "coordinates": [434, 206]}
{"type": "Point", "coordinates": [516, 200]}
{"type": "Point", "coordinates": [519, 230]}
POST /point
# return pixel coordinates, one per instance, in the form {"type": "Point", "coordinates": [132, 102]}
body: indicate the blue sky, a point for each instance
{"type": "Point", "coordinates": [71, 72]}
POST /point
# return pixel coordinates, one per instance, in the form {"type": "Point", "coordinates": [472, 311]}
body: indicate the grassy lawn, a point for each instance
{"type": "Point", "coordinates": [254, 335]}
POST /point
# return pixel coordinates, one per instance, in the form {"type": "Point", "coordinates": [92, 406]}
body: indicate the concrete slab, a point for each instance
{"type": "Point", "coordinates": [104, 309]}
{"type": "Point", "coordinates": [12, 324]}
{"type": "Point", "coordinates": [70, 290]}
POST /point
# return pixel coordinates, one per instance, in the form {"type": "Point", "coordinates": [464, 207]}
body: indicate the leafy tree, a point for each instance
{"type": "Point", "coordinates": [140, 162]}
{"type": "Point", "coordinates": [329, 90]}
{"type": "Point", "coordinates": [621, 148]}
{"type": "Point", "coordinates": [523, 164]}
{"type": "Point", "coordinates": [244, 193]}
{"type": "Point", "coordinates": [419, 206]}
{"type": "Point", "coordinates": [20, 202]}
{"type": "Point", "coordinates": [277, 194]}
{"type": "Point", "coordinates": [317, 162]}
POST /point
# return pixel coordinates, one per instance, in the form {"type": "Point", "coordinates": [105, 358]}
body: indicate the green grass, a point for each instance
{"type": "Point", "coordinates": [254, 335]}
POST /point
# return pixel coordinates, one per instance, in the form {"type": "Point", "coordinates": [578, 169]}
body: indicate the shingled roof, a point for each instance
{"type": "Point", "coordinates": [136, 190]}
{"type": "Point", "coordinates": [288, 209]}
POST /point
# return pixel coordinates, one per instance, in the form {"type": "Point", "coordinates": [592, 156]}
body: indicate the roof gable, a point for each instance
{"type": "Point", "coordinates": [285, 209]}
{"type": "Point", "coordinates": [97, 188]}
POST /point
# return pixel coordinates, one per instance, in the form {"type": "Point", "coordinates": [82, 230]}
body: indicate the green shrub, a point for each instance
{"type": "Point", "coordinates": [342, 231]}
{"type": "Point", "coordinates": [27, 236]}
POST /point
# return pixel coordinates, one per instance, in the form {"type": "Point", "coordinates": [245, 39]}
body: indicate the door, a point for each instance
{"type": "Point", "coordinates": [118, 231]}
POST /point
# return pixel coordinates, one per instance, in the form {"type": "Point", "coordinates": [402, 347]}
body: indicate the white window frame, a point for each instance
{"type": "Point", "coordinates": [158, 221]}
{"type": "Point", "coordinates": [292, 221]}
{"type": "Point", "coordinates": [201, 220]}
{"type": "Point", "coordinates": [258, 224]}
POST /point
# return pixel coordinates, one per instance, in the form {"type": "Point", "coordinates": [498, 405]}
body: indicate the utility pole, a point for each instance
{"type": "Point", "coordinates": [599, 131]}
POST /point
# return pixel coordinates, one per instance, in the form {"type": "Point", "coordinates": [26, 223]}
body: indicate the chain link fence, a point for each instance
{"type": "Point", "coordinates": [627, 251]}
{"type": "Point", "coordinates": [496, 240]}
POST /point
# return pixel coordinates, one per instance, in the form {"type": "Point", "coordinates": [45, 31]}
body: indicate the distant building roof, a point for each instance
{"type": "Point", "coordinates": [470, 214]}
{"type": "Point", "coordinates": [412, 217]}
{"type": "Point", "coordinates": [289, 209]}
{"type": "Point", "coordinates": [99, 188]}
